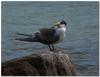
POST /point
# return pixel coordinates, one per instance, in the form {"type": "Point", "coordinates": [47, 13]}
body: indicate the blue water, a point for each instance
{"type": "Point", "coordinates": [82, 36]}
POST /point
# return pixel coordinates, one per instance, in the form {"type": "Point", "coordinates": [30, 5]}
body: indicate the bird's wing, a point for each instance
{"type": "Point", "coordinates": [26, 37]}
{"type": "Point", "coordinates": [23, 34]}
{"type": "Point", "coordinates": [48, 35]}
{"type": "Point", "coordinates": [47, 31]}
{"type": "Point", "coordinates": [45, 35]}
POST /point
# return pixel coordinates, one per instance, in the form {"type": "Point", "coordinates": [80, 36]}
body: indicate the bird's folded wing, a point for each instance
{"type": "Point", "coordinates": [23, 34]}
{"type": "Point", "coordinates": [47, 31]}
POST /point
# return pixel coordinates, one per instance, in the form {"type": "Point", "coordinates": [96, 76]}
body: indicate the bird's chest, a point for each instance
{"type": "Point", "coordinates": [61, 34]}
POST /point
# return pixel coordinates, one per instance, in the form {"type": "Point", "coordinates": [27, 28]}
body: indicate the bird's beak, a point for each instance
{"type": "Point", "coordinates": [57, 24]}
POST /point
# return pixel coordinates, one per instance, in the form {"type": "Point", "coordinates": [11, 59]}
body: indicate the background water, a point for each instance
{"type": "Point", "coordinates": [81, 37]}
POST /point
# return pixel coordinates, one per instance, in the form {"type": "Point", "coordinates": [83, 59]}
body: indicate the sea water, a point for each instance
{"type": "Point", "coordinates": [82, 35]}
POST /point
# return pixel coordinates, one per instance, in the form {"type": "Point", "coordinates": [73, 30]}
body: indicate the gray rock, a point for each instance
{"type": "Point", "coordinates": [45, 63]}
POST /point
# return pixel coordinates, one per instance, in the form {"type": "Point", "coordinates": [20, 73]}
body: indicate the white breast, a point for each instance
{"type": "Point", "coordinates": [61, 33]}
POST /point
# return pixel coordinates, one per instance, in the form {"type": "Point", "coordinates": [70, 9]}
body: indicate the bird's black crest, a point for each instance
{"type": "Point", "coordinates": [63, 22]}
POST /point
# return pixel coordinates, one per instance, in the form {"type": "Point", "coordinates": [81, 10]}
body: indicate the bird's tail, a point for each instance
{"type": "Point", "coordinates": [23, 34]}
{"type": "Point", "coordinates": [27, 37]}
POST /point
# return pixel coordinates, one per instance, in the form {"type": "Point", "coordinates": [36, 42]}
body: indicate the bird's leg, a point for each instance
{"type": "Point", "coordinates": [50, 47]}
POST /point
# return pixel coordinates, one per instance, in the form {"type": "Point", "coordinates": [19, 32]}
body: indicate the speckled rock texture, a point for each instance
{"type": "Point", "coordinates": [45, 63]}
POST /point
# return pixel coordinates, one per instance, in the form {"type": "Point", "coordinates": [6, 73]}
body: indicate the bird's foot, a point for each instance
{"type": "Point", "coordinates": [52, 49]}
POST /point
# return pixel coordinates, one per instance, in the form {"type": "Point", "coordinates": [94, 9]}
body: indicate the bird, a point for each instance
{"type": "Point", "coordinates": [47, 36]}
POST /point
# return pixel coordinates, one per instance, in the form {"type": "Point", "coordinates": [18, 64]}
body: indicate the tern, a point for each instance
{"type": "Point", "coordinates": [47, 36]}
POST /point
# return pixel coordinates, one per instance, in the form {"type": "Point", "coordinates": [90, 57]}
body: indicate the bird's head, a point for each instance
{"type": "Point", "coordinates": [60, 24]}
{"type": "Point", "coordinates": [63, 23]}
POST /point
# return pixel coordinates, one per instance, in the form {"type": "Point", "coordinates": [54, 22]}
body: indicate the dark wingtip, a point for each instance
{"type": "Point", "coordinates": [18, 39]}
{"type": "Point", "coordinates": [23, 34]}
{"type": "Point", "coordinates": [26, 39]}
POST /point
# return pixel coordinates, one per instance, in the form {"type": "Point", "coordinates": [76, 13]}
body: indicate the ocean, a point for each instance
{"type": "Point", "coordinates": [82, 35]}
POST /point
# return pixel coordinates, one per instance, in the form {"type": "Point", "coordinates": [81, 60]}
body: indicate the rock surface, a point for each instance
{"type": "Point", "coordinates": [40, 64]}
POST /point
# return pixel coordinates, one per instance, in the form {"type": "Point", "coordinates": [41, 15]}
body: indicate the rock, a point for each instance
{"type": "Point", "coordinates": [40, 64]}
